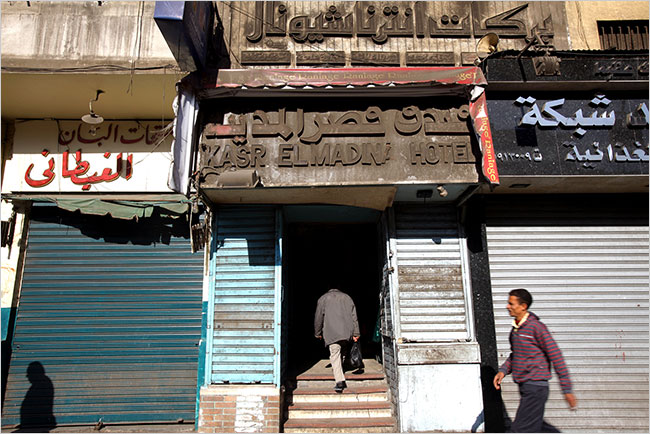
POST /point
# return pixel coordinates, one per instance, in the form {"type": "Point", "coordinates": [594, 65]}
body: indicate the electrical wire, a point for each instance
{"type": "Point", "coordinates": [91, 68]}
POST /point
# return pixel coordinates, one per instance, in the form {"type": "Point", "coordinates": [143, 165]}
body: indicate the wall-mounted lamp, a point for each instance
{"type": "Point", "coordinates": [442, 191]}
{"type": "Point", "coordinates": [92, 118]}
{"type": "Point", "coordinates": [239, 179]}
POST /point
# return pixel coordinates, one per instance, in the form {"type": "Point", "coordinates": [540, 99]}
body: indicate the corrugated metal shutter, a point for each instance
{"type": "Point", "coordinates": [431, 302]}
{"type": "Point", "coordinates": [588, 273]}
{"type": "Point", "coordinates": [111, 310]}
{"type": "Point", "coordinates": [246, 260]}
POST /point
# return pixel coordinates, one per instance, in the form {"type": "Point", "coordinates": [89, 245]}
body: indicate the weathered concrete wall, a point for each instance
{"type": "Point", "coordinates": [582, 17]}
{"type": "Point", "coordinates": [74, 34]}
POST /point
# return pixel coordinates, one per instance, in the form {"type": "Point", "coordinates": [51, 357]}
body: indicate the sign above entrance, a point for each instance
{"type": "Point", "coordinates": [367, 135]}
{"type": "Point", "coordinates": [75, 157]}
{"type": "Point", "coordinates": [304, 144]}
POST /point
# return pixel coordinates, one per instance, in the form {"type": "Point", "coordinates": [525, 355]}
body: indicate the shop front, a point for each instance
{"type": "Point", "coordinates": [569, 222]}
{"type": "Point", "coordinates": [311, 188]}
{"type": "Point", "coordinates": [108, 317]}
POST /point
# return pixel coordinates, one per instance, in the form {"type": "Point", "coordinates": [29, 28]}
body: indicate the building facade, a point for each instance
{"type": "Point", "coordinates": [424, 157]}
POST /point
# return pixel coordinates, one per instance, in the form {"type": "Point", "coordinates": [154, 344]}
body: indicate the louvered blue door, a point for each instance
{"type": "Point", "coordinates": [108, 322]}
{"type": "Point", "coordinates": [243, 344]}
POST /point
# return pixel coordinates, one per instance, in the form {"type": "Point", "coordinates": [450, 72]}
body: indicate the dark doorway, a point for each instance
{"type": "Point", "coordinates": [318, 256]}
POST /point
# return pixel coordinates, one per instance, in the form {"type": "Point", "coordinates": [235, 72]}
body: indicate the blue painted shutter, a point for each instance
{"type": "Point", "coordinates": [246, 261]}
{"type": "Point", "coordinates": [111, 309]}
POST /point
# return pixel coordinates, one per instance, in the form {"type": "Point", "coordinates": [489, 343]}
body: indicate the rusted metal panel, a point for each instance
{"type": "Point", "coordinates": [586, 265]}
{"type": "Point", "coordinates": [381, 34]}
{"type": "Point", "coordinates": [108, 323]}
{"type": "Point", "coordinates": [419, 354]}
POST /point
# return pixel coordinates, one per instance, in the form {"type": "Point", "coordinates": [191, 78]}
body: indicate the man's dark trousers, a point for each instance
{"type": "Point", "coordinates": [530, 414]}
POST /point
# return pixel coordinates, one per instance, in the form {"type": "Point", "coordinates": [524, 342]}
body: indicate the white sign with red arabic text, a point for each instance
{"type": "Point", "coordinates": [71, 156]}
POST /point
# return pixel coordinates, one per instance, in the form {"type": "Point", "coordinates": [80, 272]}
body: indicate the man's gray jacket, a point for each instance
{"type": "Point", "coordinates": [336, 317]}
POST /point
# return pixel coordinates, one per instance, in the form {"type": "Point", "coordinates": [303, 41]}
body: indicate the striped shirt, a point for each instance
{"type": "Point", "coordinates": [533, 350]}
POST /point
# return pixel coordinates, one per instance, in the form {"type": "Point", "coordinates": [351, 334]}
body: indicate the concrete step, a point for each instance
{"type": "Point", "coordinates": [339, 410]}
{"type": "Point", "coordinates": [348, 425]}
{"type": "Point", "coordinates": [357, 393]}
{"type": "Point", "coordinates": [352, 383]}
{"type": "Point", "coordinates": [348, 376]}
{"type": "Point", "coordinates": [340, 397]}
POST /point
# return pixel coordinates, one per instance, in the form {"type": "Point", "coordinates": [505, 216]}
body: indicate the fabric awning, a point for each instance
{"type": "Point", "coordinates": [437, 80]}
{"type": "Point", "coordinates": [122, 209]}
{"type": "Point", "coordinates": [468, 82]}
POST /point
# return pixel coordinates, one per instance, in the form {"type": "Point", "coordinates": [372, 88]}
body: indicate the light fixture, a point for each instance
{"type": "Point", "coordinates": [247, 178]}
{"type": "Point", "coordinates": [92, 118]}
{"type": "Point", "coordinates": [442, 191]}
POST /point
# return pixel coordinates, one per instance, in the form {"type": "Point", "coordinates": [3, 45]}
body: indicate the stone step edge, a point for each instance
{"type": "Point", "coordinates": [340, 422]}
{"type": "Point", "coordinates": [346, 391]}
{"type": "Point", "coordinates": [348, 377]}
{"type": "Point", "coordinates": [371, 405]}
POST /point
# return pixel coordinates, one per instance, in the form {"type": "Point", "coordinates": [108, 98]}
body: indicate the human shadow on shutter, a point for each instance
{"type": "Point", "coordinates": [36, 408]}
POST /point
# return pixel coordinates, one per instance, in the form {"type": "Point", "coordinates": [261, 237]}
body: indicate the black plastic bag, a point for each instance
{"type": "Point", "coordinates": [356, 359]}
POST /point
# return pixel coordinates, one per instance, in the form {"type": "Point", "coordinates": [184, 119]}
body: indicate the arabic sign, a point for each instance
{"type": "Point", "coordinates": [302, 144]}
{"type": "Point", "coordinates": [71, 156]}
{"type": "Point", "coordinates": [575, 134]}
{"type": "Point", "coordinates": [296, 33]}
{"type": "Point", "coordinates": [379, 21]}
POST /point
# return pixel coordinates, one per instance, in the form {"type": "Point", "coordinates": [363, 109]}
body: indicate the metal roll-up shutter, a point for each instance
{"type": "Point", "coordinates": [587, 269]}
{"type": "Point", "coordinates": [431, 303]}
{"type": "Point", "coordinates": [108, 322]}
{"type": "Point", "coordinates": [244, 345]}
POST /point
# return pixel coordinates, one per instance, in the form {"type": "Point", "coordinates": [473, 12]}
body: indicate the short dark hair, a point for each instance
{"type": "Point", "coordinates": [522, 295]}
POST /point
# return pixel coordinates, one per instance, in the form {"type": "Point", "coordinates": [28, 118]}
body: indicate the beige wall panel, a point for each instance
{"type": "Point", "coordinates": [584, 15]}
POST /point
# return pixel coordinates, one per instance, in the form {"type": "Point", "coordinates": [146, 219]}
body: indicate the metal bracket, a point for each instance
{"type": "Point", "coordinates": [547, 65]}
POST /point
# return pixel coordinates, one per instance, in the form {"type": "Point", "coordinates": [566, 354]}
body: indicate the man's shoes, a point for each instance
{"type": "Point", "coordinates": [340, 386]}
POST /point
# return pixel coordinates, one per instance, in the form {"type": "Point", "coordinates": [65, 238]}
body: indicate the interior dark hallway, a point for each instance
{"type": "Point", "coordinates": [316, 258]}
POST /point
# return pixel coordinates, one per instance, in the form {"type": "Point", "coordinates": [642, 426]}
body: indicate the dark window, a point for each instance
{"type": "Point", "coordinates": [623, 35]}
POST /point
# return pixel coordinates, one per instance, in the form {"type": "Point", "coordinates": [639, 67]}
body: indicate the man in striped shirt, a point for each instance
{"type": "Point", "coordinates": [533, 350]}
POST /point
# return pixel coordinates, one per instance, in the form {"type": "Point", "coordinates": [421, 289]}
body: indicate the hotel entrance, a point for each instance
{"type": "Point", "coordinates": [326, 247]}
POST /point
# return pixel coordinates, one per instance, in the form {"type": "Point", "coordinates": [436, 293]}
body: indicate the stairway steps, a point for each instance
{"type": "Point", "coordinates": [348, 377]}
{"type": "Point", "coordinates": [352, 383]}
{"type": "Point", "coordinates": [377, 424]}
{"type": "Point", "coordinates": [339, 406]}
{"type": "Point", "coordinates": [312, 404]}
{"type": "Point", "coordinates": [340, 397]}
{"type": "Point", "coordinates": [351, 389]}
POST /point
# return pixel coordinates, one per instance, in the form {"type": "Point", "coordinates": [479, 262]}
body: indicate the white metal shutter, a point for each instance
{"type": "Point", "coordinates": [431, 303]}
{"type": "Point", "coordinates": [588, 275]}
